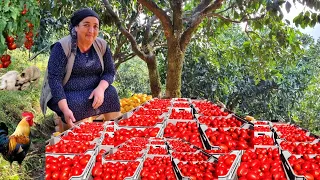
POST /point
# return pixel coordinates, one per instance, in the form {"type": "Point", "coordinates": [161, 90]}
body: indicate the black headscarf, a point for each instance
{"type": "Point", "coordinates": [76, 18]}
{"type": "Point", "coordinates": [80, 14]}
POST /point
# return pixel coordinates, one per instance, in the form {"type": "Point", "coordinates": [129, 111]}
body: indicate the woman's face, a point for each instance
{"type": "Point", "coordinates": [88, 29]}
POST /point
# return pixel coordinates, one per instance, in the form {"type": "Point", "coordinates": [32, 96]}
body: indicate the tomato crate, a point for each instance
{"type": "Point", "coordinates": [159, 162]}
{"type": "Point", "coordinates": [53, 144]}
{"type": "Point", "coordinates": [278, 135]}
{"type": "Point", "coordinates": [130, 117]}
{"type": "Point", "coordinates": [116, 152]}
{"type": "Point", "coordinates": [182, 155]}
{"type": "Point", "coordinates": [184, 146]}
{"type": "Point", "coordinates": [85, 173]}
{"type": "Point", "coordinates": [262, 128]}
{"type": "Point", "coordinates": [314, 147]}
{"type": "Point", "coordinates": [188, 113]}
{"type": "Point", "coordinates": [181, 104]}
{"type": "Point", "coordinates": [160, 104]}
{"type": "Point", "coordinates": [261, 149]}
{"type": "Point", "coordinates": [269, 134]}
{"type": "Point", "coordinates": [205, 140]}
{"type": "Point", "coordinates": [152, 149]}
{"type": "Point", "coordinates": [139, 129]}
{"type": "Point", "coordinates": [291, 174]}
{"type": "Point", "coordinates": [136, 141]}
{"type": "Point", "coordinates": [174, 128]}
{"type": "Point", "coordinates": [117, 164]}
{"type": "Point", "coordinates": [229, 175]}
{"type": "Point", "coordinates": [208, 120]}
{"type": "Point", "coordinates": [96, 137]}
{"type": "Point", "coordinates": [88, 127]}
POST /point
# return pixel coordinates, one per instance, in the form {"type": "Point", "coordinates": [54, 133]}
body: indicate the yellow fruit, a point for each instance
{"type": "Point", "coordinates": [249, 118]}
{"type": "Point", "coordinates": [56, 134]}
{"type": "Point", "coordinates": [127, 104]}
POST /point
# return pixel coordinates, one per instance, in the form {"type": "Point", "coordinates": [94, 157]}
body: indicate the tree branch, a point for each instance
{"type": "Point", "coordinates": [203, 4]}
{"type": "Point", "coordinates": [38, 53]}
{"type": "Point", "coordinates": [129, 36]}
{"type": "Point", "coordinates": [129, 56]}
{"type": "Point", "coordinates": [194, 22]}
{"type": "Point", "coordinates": [176, 6]}
{"type": "Point", "coordinates": [124, 59]}
{"type": "Point", "coordinates": [146, 34]}
{"type": "Point", "coordinates": [163, 17]}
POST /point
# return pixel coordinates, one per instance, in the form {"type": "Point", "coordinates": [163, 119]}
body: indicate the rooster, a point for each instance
{"type": "Point", "coordinates": [16, 146]}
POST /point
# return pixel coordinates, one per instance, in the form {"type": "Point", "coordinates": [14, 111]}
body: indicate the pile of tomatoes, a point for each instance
{"type": "Point", "coordinates": [62, 168]}
{"type": "Point", "coordinates": [70, 147]}
{"type": "Point", "coordinates": [157, 150]}
{"type": "Point", "coordinates": [207, 170]}
{"type": "Point", "coordinates": [157, 168]}
{"type": "Point", "coordinates": [184, 130]}
{"type": "Point", "coordinates": [261, 164]}
{"type": "Point", "coordinates": [140, 120]}
{"type": "Point", "coordinates": [216, 122]}
{"type": "Point", "coordinates": [182, 114]}
{"type": "Point", "coordinates": [114, 170]}
{"type": "Point", "coordinates": [306, 166]}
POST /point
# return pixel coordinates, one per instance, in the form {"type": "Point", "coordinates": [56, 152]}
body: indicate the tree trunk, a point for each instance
{"type": "Point", "coordinates": [174, 70]}
{"type": "Point", "coordinates": [154, 77]}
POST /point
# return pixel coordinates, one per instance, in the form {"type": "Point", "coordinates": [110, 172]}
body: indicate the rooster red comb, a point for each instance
{"type": "Point", "coordinates": [27, 114]}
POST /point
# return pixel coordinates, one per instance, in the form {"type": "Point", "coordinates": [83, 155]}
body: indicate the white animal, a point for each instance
{"type": "Point", "coordinates": [30, 74]}
{"type": "Point", "coordinates": [24, 86]}
{"type": "Point", "coordinates": [8, 81]}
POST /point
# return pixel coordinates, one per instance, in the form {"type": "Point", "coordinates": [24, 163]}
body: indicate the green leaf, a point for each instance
{"type": "Point", "coordinates": [307, 14]}
{"type": "Point", "coordinates": [246, 44]}
{"type": "Point", "coordinates": [14, 13]}
{"type": "Point", "coordinates": [236, 14]}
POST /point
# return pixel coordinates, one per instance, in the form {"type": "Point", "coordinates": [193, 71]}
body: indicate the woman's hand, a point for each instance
{"type": "Point", "coordinates": [98, 94]}
{"type": "Point", "coordinates": [69, 118]}
{"type": "Point", "coordinates": [68, 114]}
{"type": "Point", "coordinates": [98, 97]}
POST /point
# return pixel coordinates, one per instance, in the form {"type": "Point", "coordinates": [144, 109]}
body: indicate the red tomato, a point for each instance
{"type": "Point", "coordinates": [96, 171]}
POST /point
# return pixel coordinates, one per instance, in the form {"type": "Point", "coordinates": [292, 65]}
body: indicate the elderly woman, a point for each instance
{"type": "Point", "coordinates": [88, 92]}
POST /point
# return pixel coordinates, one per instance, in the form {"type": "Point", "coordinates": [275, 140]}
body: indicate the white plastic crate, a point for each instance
{"type": "Point", "coordinates": [229, 176]}
{"type": "Point", "coordinates": [87, 170]}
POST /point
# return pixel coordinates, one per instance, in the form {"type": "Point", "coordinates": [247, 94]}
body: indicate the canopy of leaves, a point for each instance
{"type": "Point", "coordinates": [270, 83]}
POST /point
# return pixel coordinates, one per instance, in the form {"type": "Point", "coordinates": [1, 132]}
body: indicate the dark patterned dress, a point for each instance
{"type": "Point", "coordinates": [85, 77]}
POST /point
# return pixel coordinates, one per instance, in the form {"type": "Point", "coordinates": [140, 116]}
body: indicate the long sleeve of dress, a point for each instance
{"type": "Point", "coordinates": [109, 69]}
{"type": "Point", "coordinates": [56, 71]}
